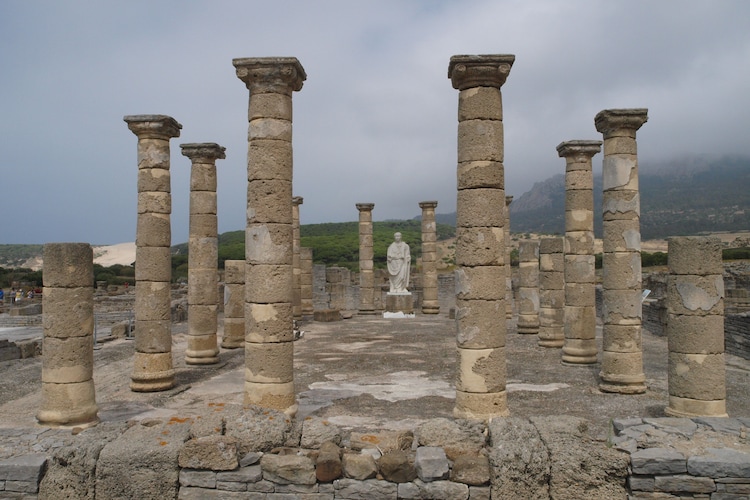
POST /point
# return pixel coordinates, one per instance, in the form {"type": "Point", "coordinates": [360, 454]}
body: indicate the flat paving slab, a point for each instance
{"type": "Point", "coordinates": [363, 373]}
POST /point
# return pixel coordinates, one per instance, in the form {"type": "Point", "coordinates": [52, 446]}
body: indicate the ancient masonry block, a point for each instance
{"type": "Point", "coordinates": [695, 328]}
{"type": "Point", "coordinates": [480, 236]}
{"type": "Point", "coordinates": [68, 363]}
{"type": "Point", "coordinates": [579, 346]}
{"type": "Point", "coordinates": [366, 271]}
{"type": "Point", "coordinates": [269, 378]}
{"type": "Point", "coordinates": [152, 362]}
{"type": "Point", "coordinates": [528, 287]}
{"type": "Point", "coordinates": [203, 254]}
{"type": "Point", "coordinates": [234, 304]}
{"type": "Point", "coordinates": [508, 273]}
{"type": "Point", "coordinates": [622, 353]}
{"type": "Point", "coordinates": [551, 292]}
{"type": "Point", "coordinates": [306, 280]}
{"type": "Point", "coordinates": [297, 269]}
{"type": "Point", "coordinates": [430, 304]}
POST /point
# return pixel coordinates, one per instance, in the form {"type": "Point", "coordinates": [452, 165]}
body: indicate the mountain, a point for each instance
{"type": "Point", "coordinates": [681, 197]}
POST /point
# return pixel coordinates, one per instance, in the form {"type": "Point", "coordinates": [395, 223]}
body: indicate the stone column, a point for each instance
{"type": "Point", "coordinates": [68, 396]}
{"type": "Point", "coordinates": [152, 360]}
{"type": "Point", "coordinates": [622, 355]}
{"type": "Point", "coordinates": [269, 338]}
{"type": "Point", "coordinates": [306, 280]}
{"type": "Point", "coordinates": [296, 269]}
{"type": "Point", "coordinates": [234, 304]}
{"type": "Point", "coordinates": [480, 242]}
{"type": "Point", "coordinates": [366, 270]}
{"type": "Point", "coordinates": [695, 328]}
{"type": "Point", "coordinates": [551, 292]}
{"type": "Point", "coordinates": [430, 304]}
{"type": "Point", "coordinates": [508, 269]}
{"type": "Point", "coordinates": [579, 347]}
{"type": "Point", "coordinates": [203, 254]}
{"type": "Point", "coordinates": [528, 287]}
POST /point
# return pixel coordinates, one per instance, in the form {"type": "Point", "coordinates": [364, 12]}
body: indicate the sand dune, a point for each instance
{"type": "Point", "coordinates": [122, 253]}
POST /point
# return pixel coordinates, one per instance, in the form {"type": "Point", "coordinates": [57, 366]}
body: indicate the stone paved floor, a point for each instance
{"type": "Point", "coordinates": [360, 373]}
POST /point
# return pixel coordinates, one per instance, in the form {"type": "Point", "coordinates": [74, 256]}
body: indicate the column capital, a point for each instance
{"type": "Point", "coordinates": [297, 200]}
{"type": "Point", "coordinates": [203, 151]}
{"type": "Point", "coordinates": [468, 71]}
{"type": "Point", "coordinates": [270, 74]}
{"type": "Point", "coordinates": [585, 149]}
{"type": "Point", "coordinates": [608, 121]}
{"type": "Point", "coordinates": [508, 200]}
{"type": "Point", "coordinates": [427, 204]}
{"type": "Point", "coordinates": [365, 207]}
{"type": "Point", "coordinates": [153, 126]}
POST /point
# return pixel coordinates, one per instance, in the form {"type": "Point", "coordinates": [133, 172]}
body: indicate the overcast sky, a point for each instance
{"type": "Point", "coordinates": [376, 119]}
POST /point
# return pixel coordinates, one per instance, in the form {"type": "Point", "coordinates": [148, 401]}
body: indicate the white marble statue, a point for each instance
{"type": "Point", "coordinates": [399, 264]}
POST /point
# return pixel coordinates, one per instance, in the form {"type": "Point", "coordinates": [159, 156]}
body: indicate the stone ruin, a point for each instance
{"type": "Point", "coordinates": [260, 451]}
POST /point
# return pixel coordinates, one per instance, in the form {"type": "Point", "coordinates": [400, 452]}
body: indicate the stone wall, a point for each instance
{"type": "Point", "coordinates": [702, 457]}
{"type": "Point", "coordinates": [232, 452]}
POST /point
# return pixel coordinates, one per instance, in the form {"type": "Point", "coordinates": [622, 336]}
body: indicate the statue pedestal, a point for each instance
{"type": "Point", "coordinates": [399, 303]}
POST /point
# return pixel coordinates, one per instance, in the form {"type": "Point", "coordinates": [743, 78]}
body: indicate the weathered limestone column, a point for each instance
{"type": "Point", "coordinates": [269, 338]}
{"type": "Point", "coordinates": [68, 396]}
{"type": "Point", "coordinates": [203, 254]}
{"type": "Point", "coordinates": [579, 347]}
{"type": "Point", "coordinates": [508, 269]}
{"type": "Point", "coordinates": [430, 304]}
{"type": "Point", "coordinates": [306, 280]}
{"type": "Point", "coordinates": [480, 242]}
{"type": "Point", "coordinates": [622, 355]}
{"type": "Point", "coordinates": [528, 287]}
{"type": "Point", "coordinates": [695, 328]}
{"type": "Point", "coordinates": [551, 292]}
{"type": "Point", "coordinates": [234, 304]}
{"type": "Point", "coordinates": [296, 269]}
{"type": "Point", "coordinates": [152, 360]}
{"type": "Point", "coordinates": [366, 270]}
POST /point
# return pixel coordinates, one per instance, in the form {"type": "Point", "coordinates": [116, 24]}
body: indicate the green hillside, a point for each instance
{"type": "Point", "coordinates": [333, 243]}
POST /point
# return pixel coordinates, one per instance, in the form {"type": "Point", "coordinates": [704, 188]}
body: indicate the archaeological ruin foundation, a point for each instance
{"type": "Point", "coordinates": [273, 443]}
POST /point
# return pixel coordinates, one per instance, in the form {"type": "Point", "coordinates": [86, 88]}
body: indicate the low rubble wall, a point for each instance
{"type": "Point", "coordinates": [231, 452]}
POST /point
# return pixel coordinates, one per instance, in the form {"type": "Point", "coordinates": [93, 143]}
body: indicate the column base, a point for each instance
{"type": "Point", "coordinates": [579, 351]}
{"type": "Point", "coordinates": [552, 343]}
{"type": "Point", "coordinates": [430, 308]}
{"type": "Point", "coordinates": [68, 405]}
{"type": "Point", "coordinates": [686, 407]}
{"type": "Point", "coordinates": [274, 396]}
{"type": "Point", "coordinates": [481, 406]}
{"type": "Point", "coordinates": [622, 388]}
{"type": "Point", "coordinates": [152, 372]}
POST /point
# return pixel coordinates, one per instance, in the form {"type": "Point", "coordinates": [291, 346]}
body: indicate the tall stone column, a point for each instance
{"type": "Point", "coordinates": [430, 304]}
{"type": "Point", "coordinates": [234, 304]}
{"type": "Point", "coordinates": [306, 280]}
{"type": "Point", "coordinates": [508, 268]}
{"type": "Point", "coordinates": [480, 242]}
{"type": "Point", "coordinates": [622, 356]}
{"type": "Point", "coordinates": [68, 396]}
{"type": "Point", "coordinates": [366, 269]}
{"type": "Point", "coordinates": [152, 360]}
{"type": "Point", "coordinates": [528, 287]}
{"type": "Point", "coordinates": [579, 347]}
{"type": "Point", "coordinates": [203, 254]}
{"type": "Point", "coordinates": [296, 269]}
{"type": "Point", "coordinates": [695, 328]}
{"type": "Point", "coordinates": [269, 338]}
{"type": "Point", "coordinates": [551, 292]}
